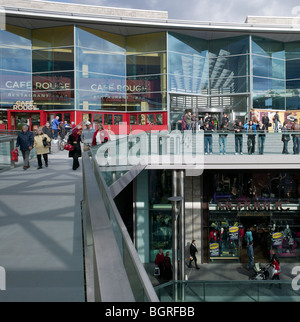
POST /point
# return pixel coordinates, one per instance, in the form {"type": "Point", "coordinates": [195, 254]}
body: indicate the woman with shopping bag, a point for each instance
{"type": "Point", "coordinates": [41, 143]}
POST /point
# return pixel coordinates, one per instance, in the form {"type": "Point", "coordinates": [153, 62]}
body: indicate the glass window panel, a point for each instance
{"type": "Point", "coordinates": [96, 101]}
{"type": "Point", "coordinates": [268, 47]}
{"type": "Point", "coordinates": [292, 50]}
{"type": "Point", "coordinates": [229, 46]}
{"type": "Point", "coordinates": [118, 118]}
{"type": "Point", "coordinates": [187, 45]}
{"type": "Point", "coordinates": [103, 41]}
{"type": "Point", "coordinates": [293, 69]}
{"type": "Point", "coordinates": [53, 37]}
{"type": "Point", "coordinates": [53, 99]}
{"type": "Point", "coordinates": [185, 84]}
{"type": "Point", "coordinates": [190, 65]}
{"type": "Point", "coordinates": [98, 118]}
{"type": "Point", "coordinates": [15, 81]}
{"type": "Point", "coordinates": [146, 43]}
{"type": "Point", "coordinates": [268, 67]}
{"type": "Point", "coordinates": [53, 59]}
{"type": "Point", "coordinates": [155, 83]}
{"type": "Point", "coordinates": [16, 37]}
{"type": "Point", "coordinates": [53, 81]}
{"type": "Point", "coordinates": [158, 119]}
{"type": "Point", "coordinates": [150, 118]}
{"type": "Point", "coordinates": [133, 120]}
{"type": "Point", "coordinates": [229, 84]}
{"type": "Point", "coordinates": [154, 63]}
{"type": "Point", "coordinates": [108, 119]}
{"type": "Point", "coordinates": [9, 97]}
{"type": "Point", "coordinates": [93, 61]}
{"type": "Point", "coordinates": [225, 66]}
{"type": "Point", "coordinates": [293, 94]}
{"type": "Point", "coordinates": [146, 102]}
{"type": "Point", "coordinates": [101, 83]}
{"type": "Point", "coordinates": [17, 59]}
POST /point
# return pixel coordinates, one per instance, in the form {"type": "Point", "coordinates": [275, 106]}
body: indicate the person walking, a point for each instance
{"type": "Point", "coordinates": [261, 130]}
{"type": "Point", "coordinates": [100, 136]}
{"type": "Point", "coordinates": [250, 255]}
{"type": "Point", "coordinates": [168, 271]}
{"type": "Point", "coordinates": [285, 138]}
{"type": "Point", "coordinates": [193, 251]}
{"type": "Point", "coordinates": [276, 265]}
{"type": "Point", "coordinates": [276, 121]}
{"type": "Point", "coordinates": [266, 122]}
{"type": "Point", "coordinates": [188, 120]}
{"type": "Point", "coordinates": [238, 137]}
{"type": "Point", "coordinates": [74, 140]}
{"type": "Point", "coordinates": [48, 131]}
{"type": "Point", "coordinates": [296, 137]}
{"type": "Point", "coordinates": [55, 126]}
{"type": "Point", "coordinates": [159, 261]}
{"type": "Point", "coordinates": [25, 142]}
{"type": "Point", "coordinates": [87, 136]}
{"type": "Point", "coordinates": [41, 143]}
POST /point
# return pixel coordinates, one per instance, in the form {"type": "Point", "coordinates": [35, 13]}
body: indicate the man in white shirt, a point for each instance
{"type": "Point", "coordinates": [87, 136]}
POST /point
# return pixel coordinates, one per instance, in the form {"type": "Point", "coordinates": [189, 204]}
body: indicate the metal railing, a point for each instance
{"type": "Point", "coordinates": [228, 291]}
{"type": "Point", "coordinates": [117, 274]}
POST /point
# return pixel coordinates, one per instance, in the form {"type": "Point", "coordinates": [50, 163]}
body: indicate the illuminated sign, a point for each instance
{"type": "Point", "coordinates": [254, 206]}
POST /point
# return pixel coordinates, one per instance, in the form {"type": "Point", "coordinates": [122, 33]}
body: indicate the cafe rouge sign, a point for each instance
{"type": "Point", "coordinates": [259, 205]}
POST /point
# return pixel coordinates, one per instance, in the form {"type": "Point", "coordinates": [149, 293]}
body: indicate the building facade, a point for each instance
{"type": "Point", "coordinates": [110, 66]}
{"type": "Point", "coordinates": [113, 69]}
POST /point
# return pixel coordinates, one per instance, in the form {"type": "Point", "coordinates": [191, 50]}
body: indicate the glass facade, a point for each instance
{"type": "Point", "coordinates": [79, 68]}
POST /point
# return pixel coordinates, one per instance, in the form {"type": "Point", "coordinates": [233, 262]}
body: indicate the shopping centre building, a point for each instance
{"type": "Point", "coordinates": [112, 65]}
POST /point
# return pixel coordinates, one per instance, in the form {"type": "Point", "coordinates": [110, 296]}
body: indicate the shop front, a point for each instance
{"type": "Point", "coordinates": [264, 203]}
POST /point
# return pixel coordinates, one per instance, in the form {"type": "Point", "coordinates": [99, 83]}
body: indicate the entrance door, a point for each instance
{"type": "Point", "coordinates": [18, 119]}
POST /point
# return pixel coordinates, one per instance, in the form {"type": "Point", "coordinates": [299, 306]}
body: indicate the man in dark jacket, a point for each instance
{"type": "Point", "coordinates": [239, 129]}
{"type": "Point", "coordinates": [25, 141]}
{"type": "Point", "coordinates": [193, 251]}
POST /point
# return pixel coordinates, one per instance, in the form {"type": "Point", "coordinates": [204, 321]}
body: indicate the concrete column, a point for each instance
{"type": "Point", "coordinates": [193, 215]}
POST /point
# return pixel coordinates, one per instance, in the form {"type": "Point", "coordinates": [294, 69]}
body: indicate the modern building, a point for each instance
{"type": "Point", "coordinates": [113, 65]}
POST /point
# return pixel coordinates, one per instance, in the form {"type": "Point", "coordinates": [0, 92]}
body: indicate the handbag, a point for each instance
{"type": "Point", "coordinates": [14, 155]}
{"type": "Point", "coordinates": [68, 147]}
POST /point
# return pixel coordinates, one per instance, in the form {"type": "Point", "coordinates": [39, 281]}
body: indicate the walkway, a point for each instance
{"type": "Point", "coordinates": [41, 233]}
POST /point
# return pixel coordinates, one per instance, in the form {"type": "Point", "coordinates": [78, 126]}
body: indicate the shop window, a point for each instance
{"type": "Point", "coordinates": [142, 119]}
{"type": "Point", "coordinates": [98, 118]}
{"type": "Point", "coordinates": [108, 119]}
{"type": "Point", "coordinates": [117, 119]}
{"type": "Point", "coordinates": [159, 119]}
{"type": "Point", "coordinates": [133, 120]}
{"type": "Point", "coordinates": [150, 118]}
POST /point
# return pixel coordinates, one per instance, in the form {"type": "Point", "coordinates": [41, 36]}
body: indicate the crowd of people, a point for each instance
{"type": "Point", "coordinates": [78, 136]}
{"type": "Point", "coordinates": [252, 128]}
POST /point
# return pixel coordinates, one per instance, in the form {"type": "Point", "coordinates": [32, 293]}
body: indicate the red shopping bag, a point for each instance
{"type": "Point", "coordinates": [69, 147]}
{"type": "Point", "coordinates": [14, 155]}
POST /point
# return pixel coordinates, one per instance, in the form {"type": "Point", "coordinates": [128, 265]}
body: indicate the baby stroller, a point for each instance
{"type": "Point", "coordinates": [63, 141]}
{"type": "Point", "coordinates": [262, 272]}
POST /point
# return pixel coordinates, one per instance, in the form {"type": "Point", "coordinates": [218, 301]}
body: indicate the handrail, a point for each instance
{"type": "Point", "coordinates": [136, 276]}
{"type": "Point", "coordinates": [110, 283]}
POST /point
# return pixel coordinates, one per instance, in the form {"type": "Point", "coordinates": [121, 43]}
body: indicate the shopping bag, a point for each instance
{"type": "Point", "coordinates": [156, 271]}
{"type": "Point", "coordinates": [68, 147]}
{"type": "Point", "coordinates": [14, 155]}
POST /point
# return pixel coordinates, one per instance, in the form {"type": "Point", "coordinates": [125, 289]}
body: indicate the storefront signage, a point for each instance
{"type": "Point", "coordinates": [239, 205]}
{"type": "Point", "coordinates": [27, 106]}
{"type": "Point", "coordinates": [277, 239]}
{"type": "Point", "coordinates": [214, 249]}
{"type": "Point", "coordinates": [234, 233]}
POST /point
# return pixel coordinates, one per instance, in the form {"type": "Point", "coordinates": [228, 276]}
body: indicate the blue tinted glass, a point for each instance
{"type": "Point", "coordinates": [268, 67]}
{"type": "Point", "coordinates": [189, 65]}
{"type": "Point", "coordinates": [187, 84]}
{"type": "Point", "coordinates": [229, 46]}
{"type": "Point", "coordinates": [268, 47]}
{"type": "Point", "coordinates": [292, 50]}
{"type": "Point", "coordinates": [187, 45]}
{"type": "Point", "coordinates": [266, 84]}
{"type": "Point", "coordinates": [293, 69]}
{"type": "Point", "coordinates": [53, 81]}
{"type": "Point", "coordinates": [225, 66]}
{"type": "Point", "coordinates": [145, 84]}
{"type": "Point", "coordinates": [149, 101]}
{"type": "Point", "coordinates": [293, 94]}
{"type": "Point", "coordinates": [15, 80]}
{"type": "Point", "coordinates": [145, 64]}
{"type": "Point", "coordinates": [101, 83]}
{"type": "Point", "coordinates": [15, 59]}
{"type": "Point", "coordinates": [21, 37]}
{"type": "Point", "coordinates": [93, 61]}
{"type": "Point", "coordinates": [229, 84]}
{"type": "Point", "coordinates": [101, 41]}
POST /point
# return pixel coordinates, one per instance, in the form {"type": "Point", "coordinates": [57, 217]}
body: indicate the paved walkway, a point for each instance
{"type": "Point", "coordinates": [40, 232]}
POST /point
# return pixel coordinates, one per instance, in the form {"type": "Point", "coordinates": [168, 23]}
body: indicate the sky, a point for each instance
{"type": "Point", "coordinates": [206, 10]}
